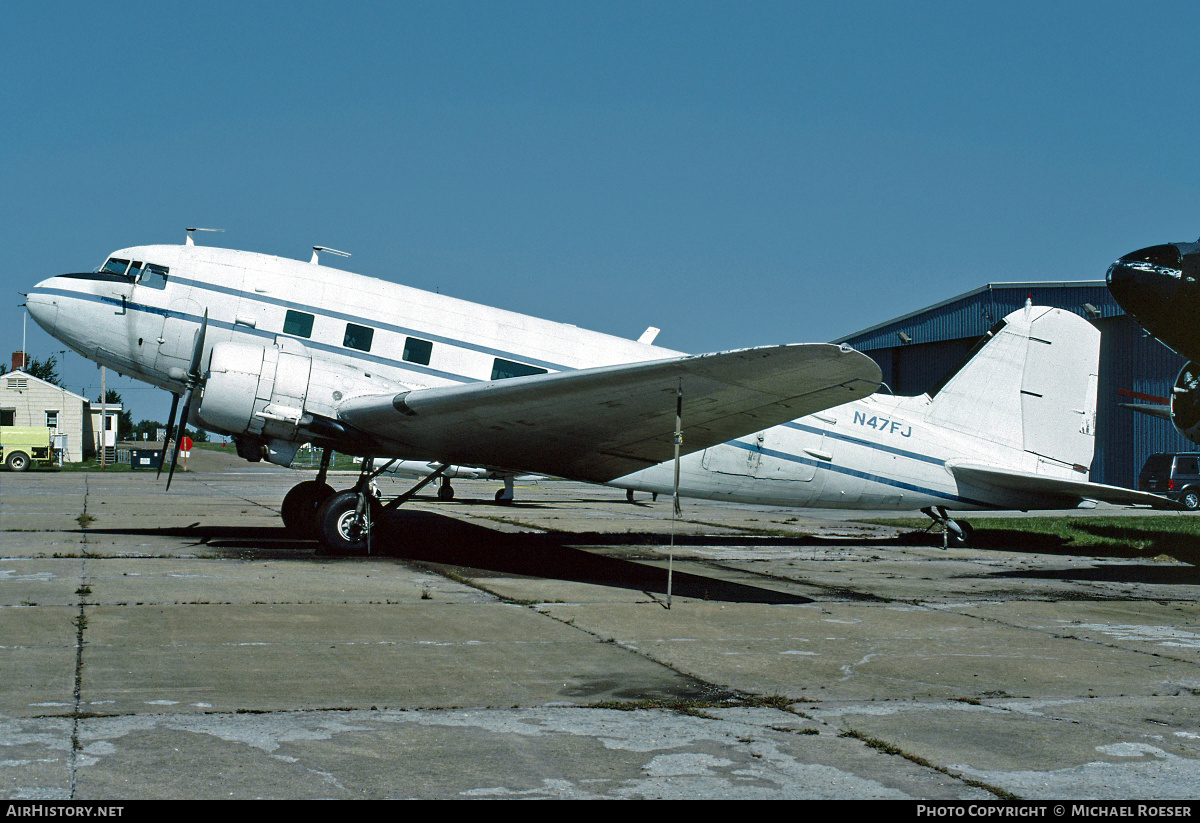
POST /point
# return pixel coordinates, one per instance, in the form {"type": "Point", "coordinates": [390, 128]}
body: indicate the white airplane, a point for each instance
{"type": "Point", "coordinates": [277, 353]}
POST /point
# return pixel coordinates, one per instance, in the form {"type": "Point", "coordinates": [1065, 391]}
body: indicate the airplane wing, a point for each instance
{"type": "Point", "coordinates": [1072, 492]}
{"type": "Point", "coordinates": [601, 423]}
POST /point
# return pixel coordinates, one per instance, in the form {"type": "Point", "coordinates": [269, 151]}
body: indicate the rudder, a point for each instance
{"type": "Point", "coordinates": [1031, 387]}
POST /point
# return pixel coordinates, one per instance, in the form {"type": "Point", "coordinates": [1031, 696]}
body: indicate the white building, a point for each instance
{"type": "Point", "coordinates": [26, 400]}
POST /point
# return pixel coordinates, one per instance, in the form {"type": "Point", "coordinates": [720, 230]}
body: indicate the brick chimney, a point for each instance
{"type": "Point", "coordinates": [18, 361]}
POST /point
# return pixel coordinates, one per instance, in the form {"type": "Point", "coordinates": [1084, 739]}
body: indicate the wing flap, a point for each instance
{"type": "Point", "coordinates": [601, 423]}
{"type": "Point", "coordinates": [1072, 492]}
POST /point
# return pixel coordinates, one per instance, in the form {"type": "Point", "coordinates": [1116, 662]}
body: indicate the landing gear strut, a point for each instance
{"type": "Point", "coordinates": [345, 520]}
{"type": "Point", "coordinates": [955, 533]}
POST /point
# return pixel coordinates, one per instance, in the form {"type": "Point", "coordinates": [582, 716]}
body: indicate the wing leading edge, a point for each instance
{"type": "Point", "coordinates": [601, 423]}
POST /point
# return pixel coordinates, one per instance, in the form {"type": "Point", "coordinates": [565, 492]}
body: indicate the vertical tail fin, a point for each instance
{"type": "Point", "coordinates": [1030, 387]}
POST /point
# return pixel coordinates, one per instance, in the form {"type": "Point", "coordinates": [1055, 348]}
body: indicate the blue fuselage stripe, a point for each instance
{"type": "Point", "coordinates": [866, 443]}
{"type": "Point", "coordinates": [874, 478]}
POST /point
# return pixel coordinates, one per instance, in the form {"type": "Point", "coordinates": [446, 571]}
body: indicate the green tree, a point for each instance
{"type": "Point", "coordinates": [41, 369]}
{"type": "Point", "coordinates": [147, 430]}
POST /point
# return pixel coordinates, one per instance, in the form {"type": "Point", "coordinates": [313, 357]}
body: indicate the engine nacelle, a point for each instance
{"type": "Point", "coordinates": [1185, 401]}
{"type": "Point", "coordinates": [257, 393]}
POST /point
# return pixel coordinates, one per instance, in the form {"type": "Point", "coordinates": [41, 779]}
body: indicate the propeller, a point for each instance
{"type": "Point", "coordinates": [170, 429]}
{"type": "Point", "coordinates": [193, 380]}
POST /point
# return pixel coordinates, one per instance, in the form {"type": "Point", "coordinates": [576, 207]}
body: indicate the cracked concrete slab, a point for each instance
{"type": "Point", "coordinates": [184, 645]}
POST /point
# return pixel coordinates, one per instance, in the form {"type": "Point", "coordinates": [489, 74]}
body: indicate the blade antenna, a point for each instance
{"type": "Point", "coordinates": [193, 380]}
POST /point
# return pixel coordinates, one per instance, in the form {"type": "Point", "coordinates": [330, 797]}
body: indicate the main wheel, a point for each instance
{"type": "Point", "coordinates": [17, 461]}
{"type": "Point", "coordinates": [300, 505]}
{"type": "Point", "coordinates": [445, 492]}
{"type": "Point", "coordinates": [340, 528]}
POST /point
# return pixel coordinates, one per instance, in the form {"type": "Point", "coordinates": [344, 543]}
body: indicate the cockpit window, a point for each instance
{"type": "Point", "coordinates": [154, 276]}
{"type": "Point", "coordinates": [115, 265]}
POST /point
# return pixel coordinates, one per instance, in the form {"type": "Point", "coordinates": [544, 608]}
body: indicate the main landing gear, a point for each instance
{"type": "Point", "coordinates": [342, 521]}
{"type": "Point", "coordinates": [955, 533]}
{"type": "Point", "coordinates": [300, 505]}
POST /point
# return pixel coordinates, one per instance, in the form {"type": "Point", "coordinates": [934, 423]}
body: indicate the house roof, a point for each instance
{"type": "Point", "coordinates": [49, 385]}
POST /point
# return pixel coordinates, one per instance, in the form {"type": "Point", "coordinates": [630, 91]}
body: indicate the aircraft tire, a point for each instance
{"type": "Point", "coordinates": [17, 461]}
{"type": "Point", "coordinates": [445, 492]}
{"type": "Point", "coordinates": [501, 500]}
{"type": "Point", "coordinates": [337, 526]}
{"type": "Point", "coordinates": [963, 541]}
{"type": "Point", "coordinates": [300, 505]}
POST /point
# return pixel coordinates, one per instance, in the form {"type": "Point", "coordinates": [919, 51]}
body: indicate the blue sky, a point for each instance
{"type": "Point", "coordinates": [733, 173]}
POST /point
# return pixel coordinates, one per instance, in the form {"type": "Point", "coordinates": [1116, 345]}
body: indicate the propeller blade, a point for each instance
{"type": "Point", "coordinates": [193, 380]}
{"type": "Point", "coordinates": [198, 351]}
{"type": "Point", "coordinates": [170, 431]}
{"type": "Point", "coordinates": [183, 420]}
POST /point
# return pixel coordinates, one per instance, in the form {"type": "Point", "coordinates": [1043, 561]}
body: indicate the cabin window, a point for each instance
{"type": "Point", "coordinates": [417, 351]}
{"type": "Point", "coordinates": [154, 276]}
{"type": "Point", "coordinates": [358, 337]}
{"type": "Point", "coordinates": [298, 323]}
{"type": "Point", "coordinates": [502, 369]}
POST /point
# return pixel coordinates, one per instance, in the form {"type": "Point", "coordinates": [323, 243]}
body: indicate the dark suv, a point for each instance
{"type": "Point", "coordinates": [1176, 476]}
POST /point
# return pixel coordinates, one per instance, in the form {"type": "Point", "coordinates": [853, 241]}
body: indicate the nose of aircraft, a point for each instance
{"type": "Point", "coordinates": [1144, 283]}
{"type": "Point", "coordinates": [41, 305]}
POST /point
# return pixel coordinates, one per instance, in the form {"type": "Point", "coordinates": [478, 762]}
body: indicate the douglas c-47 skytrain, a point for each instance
{"type": "Point", "coordinates": [277, 353]}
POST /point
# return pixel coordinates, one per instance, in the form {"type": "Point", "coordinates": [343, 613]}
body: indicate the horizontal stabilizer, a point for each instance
{"type": "Point", "coordinates": [601, 423]}
{"type": "Point", "coordinates": [1072, 492]}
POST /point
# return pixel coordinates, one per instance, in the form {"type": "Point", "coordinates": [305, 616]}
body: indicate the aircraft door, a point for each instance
{"type": "Point", "coordinates": [737, 457]}
{"type": "Point", "coordinates": [791, 453]}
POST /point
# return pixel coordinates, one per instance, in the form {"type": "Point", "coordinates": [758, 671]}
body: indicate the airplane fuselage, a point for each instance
{"type": "Point", "coordinates": [329, 335]}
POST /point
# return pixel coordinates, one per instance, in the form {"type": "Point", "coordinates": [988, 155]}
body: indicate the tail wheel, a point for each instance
{"type": "Point", "coordinates": [963, 540]}
{"type": "Point", "coordinates": [300, 505]}
{"type": "Point", "coordinates": [341, 528]}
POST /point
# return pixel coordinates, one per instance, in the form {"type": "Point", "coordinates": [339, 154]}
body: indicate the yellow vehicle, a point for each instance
{"type": "Point", "coordinates": [22, 445]}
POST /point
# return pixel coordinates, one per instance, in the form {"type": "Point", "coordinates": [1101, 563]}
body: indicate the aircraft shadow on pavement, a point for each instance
{"type": "Point", "coordinates": [434, 538]}
{"type": "Point", "coordinates": [1125, 543]}
{"type": "Point", "coordinates": [437, 539]}
{"type": "Point", "coordinates": [1160, 574]}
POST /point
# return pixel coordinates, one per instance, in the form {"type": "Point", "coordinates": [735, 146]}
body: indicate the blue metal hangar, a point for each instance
{"type": "Point", "coordinates": [916, 350]}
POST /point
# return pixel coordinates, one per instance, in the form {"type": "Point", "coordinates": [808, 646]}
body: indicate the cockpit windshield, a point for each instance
{"type": "Point", "coordinates": [115, 265]}
{"type": "Point", "coordinates": [151, 275]}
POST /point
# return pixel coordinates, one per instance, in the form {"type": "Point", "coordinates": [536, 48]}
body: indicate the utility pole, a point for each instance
{"type": "Point", "coordinates": [103, 419]}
